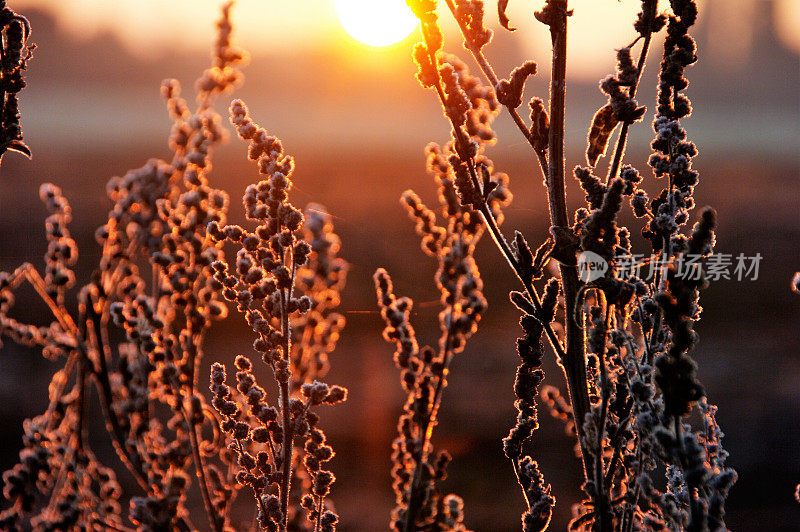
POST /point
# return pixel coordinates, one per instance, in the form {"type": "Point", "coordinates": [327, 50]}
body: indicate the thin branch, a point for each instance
{"type": "Point", "coordinates": [427, 431]}
{"type": "Point", "coordinates": [29, 273]}
{"type": "Point", "coordinates": [515, 464]}
{"type": "Point", "coordinates": [287, 447]}
{"type": "Point", "coordinates": [601, 499]}
{"type": "Point", "coordinates": [101, 378]}
{"type": "Point", "coordinates": [201, 474]}
{"type": "Point", "coordinates": [619, 149]}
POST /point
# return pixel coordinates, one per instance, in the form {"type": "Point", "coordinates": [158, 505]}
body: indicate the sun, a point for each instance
{"type": "Point", "coordinates": [376, 22]}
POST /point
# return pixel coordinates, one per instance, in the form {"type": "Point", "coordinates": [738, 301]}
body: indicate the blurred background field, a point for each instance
{"type": "Point", "coordinates": [356, 122]}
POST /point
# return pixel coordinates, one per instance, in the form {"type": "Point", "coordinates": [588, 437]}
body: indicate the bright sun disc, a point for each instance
{"type": "Point", "coordinates": [376, 22]}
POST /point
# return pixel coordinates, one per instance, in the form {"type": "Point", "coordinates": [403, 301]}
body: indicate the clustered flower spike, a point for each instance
{"type": "Point", "coordinates": [456, 103]}
{"type": "Point", "coordinates": [224, 75]}
{"type": "Point", "coordinates": [425, 52]}
{"type": "Point", "coordinates": [286, 281]}
{"type": "Point", "coordinates": [648, 20]}
{"type": "Point", "coordinates": [62, 252]}
{"type": "Point", "coordinates": [417, 466]}
{"type": "Point", "coordinates": [622, 104]}
{"type": "Point", "coordinates": [269, 257]}
{"type": "Point", "coordinates": [471, 107]}
{"type": "Point", "coordinates": [483, 104]}
{"type": "Point", "coordinates": [322, 279]}
{"type": "Point", "coordinates": [540, 125]}
{"type": "Point", "coordinates": [469, 13]}
{"type": "Point", "coordinates": [673, 152]}
{"type": "Point", "coordinates": [395, 312]}
{"type": "Point", "coordinates": [598, 231]}
{"type": "Point", "coordinates": [675, 371]}
{"type": "Point", "coordinates": [526, 387]}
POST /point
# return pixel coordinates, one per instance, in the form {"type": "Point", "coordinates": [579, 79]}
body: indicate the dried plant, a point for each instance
{"type": "Point", "coordinates": [646, 437]}
{"type": "Point", "coordinates": [14, 56]}
{"type": "Point", "coordinates": [162, 280]}
{"type": "Point", "coordinates": [622, 341]}
{"type": "Point", "coordinates": [295, 334]}
{"type": "Point", "coordinates": [417, 466]}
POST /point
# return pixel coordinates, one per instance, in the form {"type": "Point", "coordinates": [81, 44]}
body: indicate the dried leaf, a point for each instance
{"type": "Point", "coordinates": [487, 185]}
{"type": "Point", "coordinates": [603, 125]}
{"type": "Point", "coordinates": [19, 146]}
{"type": "Point", "coordinates": [521, 302]}
{"type": "Point", "coordinates": [509, 91]}
{"type": "Point", "coordinates": [524, 255]}
{"type": "Point", "coordinates": [541, 256]}
{"type": "Point", "coordinates": [501, 13]}
{"type": "Point", "coordinates": [540, 125]}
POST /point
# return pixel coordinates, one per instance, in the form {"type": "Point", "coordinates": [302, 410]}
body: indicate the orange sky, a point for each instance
{"type": "Point", "coordinates": [148, 26]}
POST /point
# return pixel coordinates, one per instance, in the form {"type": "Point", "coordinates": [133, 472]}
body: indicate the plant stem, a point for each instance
{"type": "Point", "coordinates": [603, 491]}
{"type": "Point", "coordinates": [286, 450]}
{"type": "Point", "coordinates": [80, 430]}
{"type": "Point", "coordinates": [200, 471]}
{"type": "Point", "coordinates": [35, 279]}
{"type": "Point", "coordinates": [574, 362]}
{"type": "Point", "coordinates": [318, 523]}
{"type": "Point", "coordinates": [426, 431]}
{"type": "Point", "coordinates": [684, 464]}
{"type": "Point", "coordinates": [2, 92]}
{"type": "Point", "coordinates": [131, 461]}
{"type": "Point", "coordinates": [515, 464]}
{"type": "Point", "coordinates": [194, 350]}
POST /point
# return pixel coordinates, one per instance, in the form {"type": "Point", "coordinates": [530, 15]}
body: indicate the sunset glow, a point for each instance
{"type": "Point", "coordinates": [315, 24]}
{"type": "Point", "coordinates": [376, 22]}
{"type": "Point", "coordinates": [416, 265]}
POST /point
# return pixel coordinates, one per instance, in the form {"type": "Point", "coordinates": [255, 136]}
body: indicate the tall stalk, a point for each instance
{"type": "Point", "coordinates": [285, 391]}
{"type": "Point", "coordinates": [574, 363]}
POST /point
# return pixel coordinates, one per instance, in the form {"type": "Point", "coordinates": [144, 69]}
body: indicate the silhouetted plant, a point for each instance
{"type": "Point", "coordinates": [622, 341]}
{"type": "Point", "coordinates": [295, 334]}
{"type": "Point", "coordinates": [14, 55]}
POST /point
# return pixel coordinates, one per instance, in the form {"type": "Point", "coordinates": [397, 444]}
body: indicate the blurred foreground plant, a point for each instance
{"type": "Point", "coordinates": [14, 56]}
{"type": "Point", "coordinates": [621, 340]}
{"type": "Point", "coordinates": [162, 280]}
